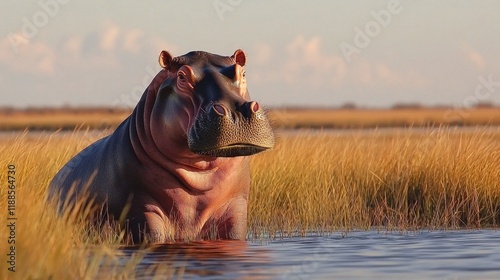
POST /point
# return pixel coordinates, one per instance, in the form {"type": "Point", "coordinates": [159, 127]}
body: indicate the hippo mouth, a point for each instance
{"type": "Point", "coordinates": [233, 150]}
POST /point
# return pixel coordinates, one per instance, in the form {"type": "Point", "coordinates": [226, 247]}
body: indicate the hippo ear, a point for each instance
{"type": "Point", "coordinates": [240, 57]}
{"type": "Point", "coordinates": [165, 59]}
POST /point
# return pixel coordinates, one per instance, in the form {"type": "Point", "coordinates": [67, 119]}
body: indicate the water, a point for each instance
{"type": "Point", "coordinates": [461, 254]}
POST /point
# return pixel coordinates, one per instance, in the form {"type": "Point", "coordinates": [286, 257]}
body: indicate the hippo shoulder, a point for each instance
{"type": "Point", "coordinates": [84, 172]}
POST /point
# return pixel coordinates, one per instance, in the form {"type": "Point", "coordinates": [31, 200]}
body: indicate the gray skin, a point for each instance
{"type": "Point", "coordinates": [178, 165]}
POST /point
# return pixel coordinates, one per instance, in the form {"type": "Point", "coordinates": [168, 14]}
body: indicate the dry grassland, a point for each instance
{"type": "Point", "coordinates": [68, 119]}
{"type": "Point", "coordinates": [370, 118]}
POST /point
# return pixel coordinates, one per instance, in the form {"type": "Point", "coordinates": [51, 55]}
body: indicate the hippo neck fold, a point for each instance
{"type": "Point", "coordinates": [180, 162]}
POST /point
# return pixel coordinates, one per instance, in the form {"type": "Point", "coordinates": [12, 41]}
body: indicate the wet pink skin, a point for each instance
{"type": "Point", "coordinates": [198, 196]}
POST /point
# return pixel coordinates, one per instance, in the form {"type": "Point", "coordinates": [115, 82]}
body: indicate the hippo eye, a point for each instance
{"type": "Point", "coordinates": [184, 80]}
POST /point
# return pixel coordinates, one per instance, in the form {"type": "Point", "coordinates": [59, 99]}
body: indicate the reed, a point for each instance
{"type": "Point", "coordinates": [401, 179]}
{"type": "Point", "coordinates": [404, 179]}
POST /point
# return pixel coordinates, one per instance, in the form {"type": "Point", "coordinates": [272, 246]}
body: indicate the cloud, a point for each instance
{"type": "Point", "coordinates": [35, 58]}
{"type": "Point", "coordinates": [103, 49]}
{"type": "Point", "coordinates": [113, 39]}
{"type": "Point", "coordinates": [109, 37]}
{"type": "Point", "coordinates": [379, 74]}
{"type": "Point", "coordinates": [74, 44]}
{"type": "Point", "coordinates": [397, 78]}
{"type": "Point", "coordinates": [306, 63]}
{"type": "Point", "coordinates": [132, 40]}
{"type": "Point", "coordinates": [473, 56]}
{"type": "Point", "coordinates": [306, 60]}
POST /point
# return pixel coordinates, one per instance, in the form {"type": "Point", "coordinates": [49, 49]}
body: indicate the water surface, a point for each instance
{"type": "Point", "coordinates": [461, 254]}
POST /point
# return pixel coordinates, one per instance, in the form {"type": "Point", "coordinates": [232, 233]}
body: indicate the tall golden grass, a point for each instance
{"type": "Point", "coordinates": [397, 179]}
{"type": "Point", "coordinates": [312, 181]}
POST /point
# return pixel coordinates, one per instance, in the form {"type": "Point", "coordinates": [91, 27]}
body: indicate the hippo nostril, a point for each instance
{"type": "Point", "coordinates": [254, 106]}
{"type": "Point", "coordinates": [220, 110]}
{"type": "Point", "coordinates": [248, 109]}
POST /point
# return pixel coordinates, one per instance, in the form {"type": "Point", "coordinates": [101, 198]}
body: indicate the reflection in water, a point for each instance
{"type": "Point", "coordinates": [212, 259]}
{"type": "Point", "coordinates": [355, 255]}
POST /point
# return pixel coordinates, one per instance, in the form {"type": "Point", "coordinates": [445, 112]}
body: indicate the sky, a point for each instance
{"type": "Point", "coordinates": [373, 53]}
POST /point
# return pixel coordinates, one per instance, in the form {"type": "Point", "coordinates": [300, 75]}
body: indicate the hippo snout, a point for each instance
{"type": "Point", "coordinates": [228, 132]}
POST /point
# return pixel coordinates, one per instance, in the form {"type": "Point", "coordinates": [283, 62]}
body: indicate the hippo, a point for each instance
{"type": "Point", "coordinates": [178, 166]}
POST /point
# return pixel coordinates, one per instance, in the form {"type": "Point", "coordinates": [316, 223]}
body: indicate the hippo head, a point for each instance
{"type": "Point", "coordinates": [210, 93]}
